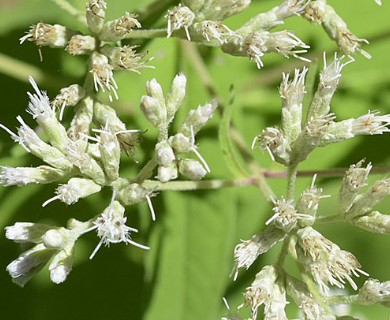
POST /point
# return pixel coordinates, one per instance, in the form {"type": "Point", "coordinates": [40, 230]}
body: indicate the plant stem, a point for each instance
{"type": "Point", "coordinates": [147, 34]}
{"type": "Point", "coordinates": [283, 252]}
{"type": "Point", "coordinates": [342, 299]}
{"type": "Point", "coordinates": [198, 185]}
{"type": "Point", "coordinates": [330, 219]}
{"type": "Point", "coordinates": [147, 171]}
{"type": "Point", "coordinates": [292, 170]}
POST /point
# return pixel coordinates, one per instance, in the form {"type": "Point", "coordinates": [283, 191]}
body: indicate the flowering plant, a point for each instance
{"type": "Point", "coordinates": [145, 141]}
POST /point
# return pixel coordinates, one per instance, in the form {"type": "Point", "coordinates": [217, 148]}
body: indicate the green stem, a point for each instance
{"type": "Point", "coordinates": [198, 185]}
{"type": "Point", "coordinates": [291, 180]}
{"type": "Point", "coordinates": [283, 252]}
{"type": "Point", "coordinates": [330, 219]}
{"type": "Point", "coordinates": [147, 171]}
{"type": "Point", "coordinates": [342, 299]}
{"type": "Point", "coordinates": [147, 34]}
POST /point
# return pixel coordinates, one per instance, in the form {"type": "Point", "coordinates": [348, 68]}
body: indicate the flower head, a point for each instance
{"type": "Point", "coordinates": [103, 76]}
{"type": "Point", "coordinates": [327, 263]}
{"type": "Point", "coordinates": [180, 17]}
{"type": "Point", "coordinates": [111, 227]}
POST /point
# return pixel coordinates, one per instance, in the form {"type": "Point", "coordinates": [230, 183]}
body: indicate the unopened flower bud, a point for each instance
{"type": "Point", "coordinates": [61, 265]}
{"type": "Point", "coordinates": [175, 95]}
{"type": "Point", "coordinates": [164, 154]}
{"type": "Point", "coordinates": [153, 111]}
{"type": "Point", "coordinates": [154, 90]}
{"type": "Point", "coordinates": [165, 174]}
{"type": "Point", "coordinates": [80, 44]}
{"type": "Point", "coordinates": [43, 34]}
{"type": "Point", "coordinates": [29, 263]}
{"type": "Point", "coordinates": [181, 143]}
{"type": "Point", "coordinates": [96, 12]}
{"type": "Point", "coordinates": [133, 193]}
{"type": "Point", "coordinates": [55, 238]}
{"type": "Point", "coordinates": [119, 28]}
{"type": "Point", "coordinates": [110, 152]}
{"type": "Point", "coordinates": [74, 190]}
{"type": "Point", "coordinates": [21, 176]}
{"type": "Point", "coordinates": [191, 169]}
{"type": "Point", "coordinates": [106, 115]}
{"type": "Point", "coordinates": [88, 166]}
{"type": "Point", "coordinates": [197, 118]}
{"type": "Point", "coordinates": [26, 232]}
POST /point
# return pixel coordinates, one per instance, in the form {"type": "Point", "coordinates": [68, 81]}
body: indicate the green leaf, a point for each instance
{"type": "Point", "coordinates": [195, 255]}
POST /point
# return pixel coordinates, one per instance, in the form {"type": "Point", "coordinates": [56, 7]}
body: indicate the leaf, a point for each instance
{"type": "Point", "coordinates": [195, 256]}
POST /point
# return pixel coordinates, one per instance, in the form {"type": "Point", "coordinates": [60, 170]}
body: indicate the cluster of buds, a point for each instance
{"type": "Point", "coordinates": [202, 22]}
{"type": "Point", "coordinates": [89, 159]}
{"type": "Point", "coordinates": [294, 141]}
{"type": "Point", "coordinates": [321, 13]}
{"type": "Point", "coordinates": [105, 57]}
{"type": "Point", "coordinates": [46, 243]}
{"type": "Point", "coordinates": [357, 206]}
{"type": "Point", "coordinates": [160, 111]}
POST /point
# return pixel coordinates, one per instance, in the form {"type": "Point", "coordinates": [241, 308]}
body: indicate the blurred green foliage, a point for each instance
{"type": "Point", "coordinates": [186, 273]}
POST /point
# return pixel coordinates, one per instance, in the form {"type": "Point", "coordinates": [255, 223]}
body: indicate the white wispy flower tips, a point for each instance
{"type": "Point", "coordinates": [379, 2]}
{"type": "Point", "coordinates": [330, 76]}
{"type": "Point", "coordinates": [327, 263]}
{"type": "Point", "coordinates": [180, 17]}
{"type": "Point", "coordinates": [215, 30]}
{"type": "Point", "coordinates": [291, 7]}
{"type": "Point", "coordinates": [282, 42]}
{"type": "Point", "coordinates": [95, 14]}
{"type": "Point", "coordinates": [371, 123]}
{"type": "Point", "coordinates": [26, 232]}
{"type": "Point", "coordinates": [43, 34]}
{"type": "Point", "coordinates": [266, 290]}
{"type": "Point", "coordinates": [111, 227]}
{"type": "Point", "coordinates": [247, 251]}
{"type": "Point", "coordinates": [373, 291]}
{"type": "Point", "coordinates": [39, 105]}
{"type": "Point", "coordinates": [103, 76]}
{"type": "Point", "coordinates": [75, 189]}
{"type": "Point", "coordinates": [286, 216]}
